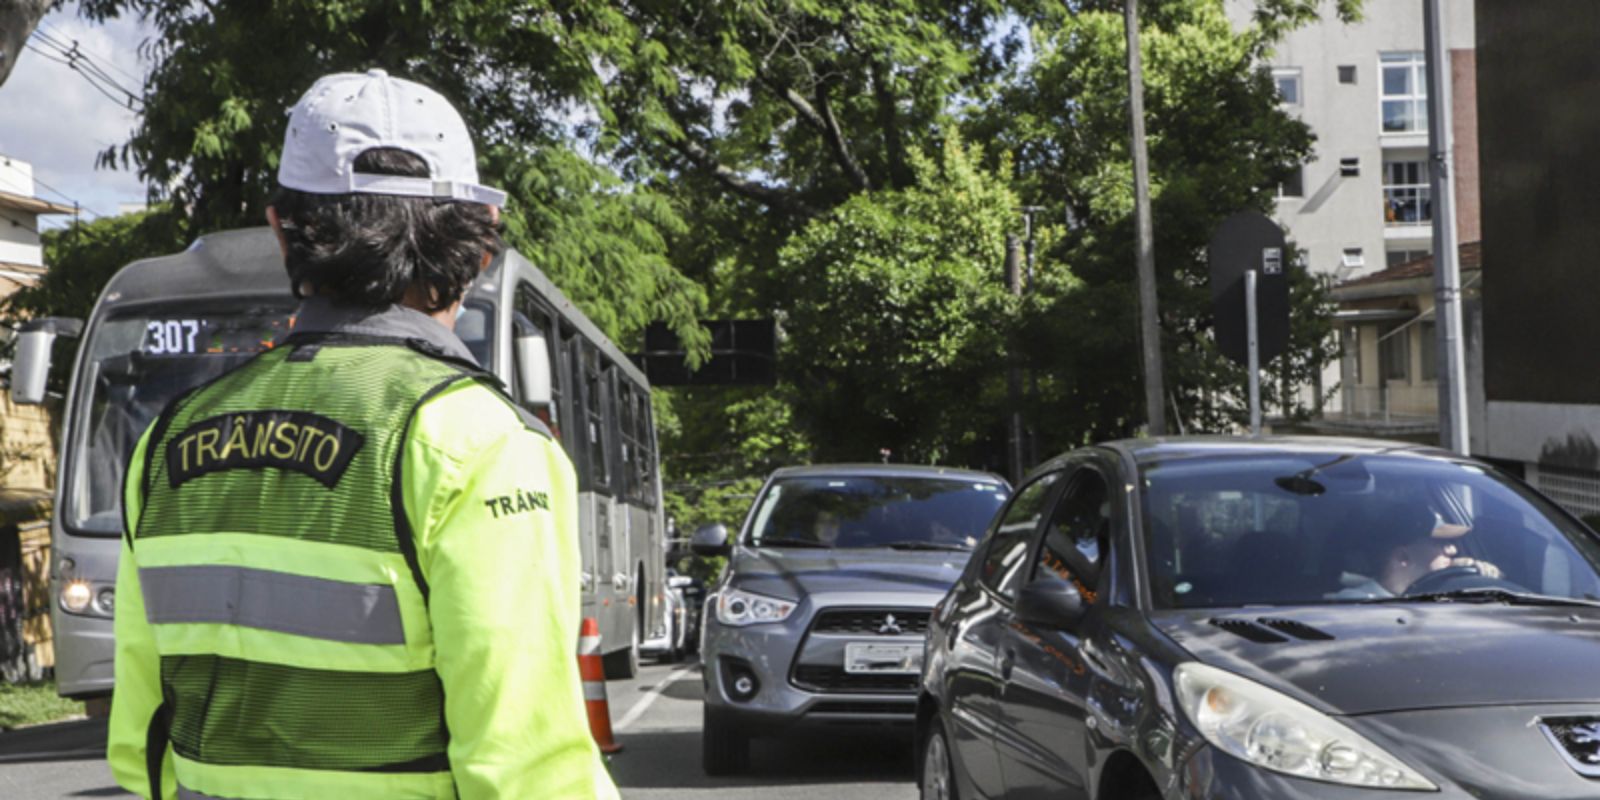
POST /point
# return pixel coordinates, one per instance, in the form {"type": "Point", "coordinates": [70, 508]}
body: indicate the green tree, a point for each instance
{"type": "Point", "coordinates": [1218, 144]}
{"type": "Point", "coordinates": [898, 325]}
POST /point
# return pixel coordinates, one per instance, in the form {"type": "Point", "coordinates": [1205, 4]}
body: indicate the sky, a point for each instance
{"type": "Point", "coordinates": [54, 119]}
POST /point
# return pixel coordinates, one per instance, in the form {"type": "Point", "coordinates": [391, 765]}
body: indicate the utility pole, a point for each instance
{"type": "Point", "coordinates": [1453, 433]}
{"type": "Point", "coordinates": [1149, 321]}
{"type": "Point", "coordinates": [1013, 372]}
{"type": "Point", "coordinates": [1031, 391]}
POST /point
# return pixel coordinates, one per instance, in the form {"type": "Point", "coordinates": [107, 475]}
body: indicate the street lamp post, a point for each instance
{"type": "Point", "coordinates": [1149, 322]}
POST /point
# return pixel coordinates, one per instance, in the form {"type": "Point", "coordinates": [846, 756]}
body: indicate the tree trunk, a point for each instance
{"type": "Point", "coordinates": [18, 18]}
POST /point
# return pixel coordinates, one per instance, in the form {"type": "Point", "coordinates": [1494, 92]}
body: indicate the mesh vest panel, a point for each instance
{"type": "Point", "coordinates": [247, 711]}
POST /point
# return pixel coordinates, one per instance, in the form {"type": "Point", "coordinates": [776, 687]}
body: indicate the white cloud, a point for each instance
{"type": "Point", "coordinates": [54, 119]}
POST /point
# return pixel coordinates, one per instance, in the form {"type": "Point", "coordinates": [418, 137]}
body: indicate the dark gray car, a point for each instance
{"type": "Point", "coordinates": [1244, 619]}
{"type": "Point", "coordinates": [821, 616]}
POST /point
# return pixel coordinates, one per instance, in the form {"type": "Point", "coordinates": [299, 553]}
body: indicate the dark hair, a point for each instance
{"type": "Point", "coordinates": [370, 249]}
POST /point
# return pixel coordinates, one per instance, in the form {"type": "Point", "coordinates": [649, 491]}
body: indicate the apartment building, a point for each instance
{"type": "Point", "coordinates": [1363, 203]}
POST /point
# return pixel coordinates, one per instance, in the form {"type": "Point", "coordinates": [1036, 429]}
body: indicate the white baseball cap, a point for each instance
{"type": "Point", "coordinates": [346, 114]}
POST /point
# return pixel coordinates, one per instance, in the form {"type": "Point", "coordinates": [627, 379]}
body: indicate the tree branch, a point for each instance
{"type": "Point", "coordinates": [735, 182]}
{"type": "Point", "coordinates": [824, 122]}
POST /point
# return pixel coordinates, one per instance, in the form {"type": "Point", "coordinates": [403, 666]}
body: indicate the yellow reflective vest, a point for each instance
{"type": "Point", "coordinates": [301, 651]}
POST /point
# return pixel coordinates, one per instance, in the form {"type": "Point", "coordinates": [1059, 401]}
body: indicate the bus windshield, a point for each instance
{"type": "Point", "coordinates": [137, 363]}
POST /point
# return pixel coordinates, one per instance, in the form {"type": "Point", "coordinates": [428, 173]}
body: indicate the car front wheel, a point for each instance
{"type": "Point", "coordinates": [724, 749]}
{"type": "Point", "coordinates": [938, 778]}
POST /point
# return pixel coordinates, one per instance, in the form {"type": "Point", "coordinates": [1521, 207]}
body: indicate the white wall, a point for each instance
{"type": "Point", "coordinates": [19, 240]}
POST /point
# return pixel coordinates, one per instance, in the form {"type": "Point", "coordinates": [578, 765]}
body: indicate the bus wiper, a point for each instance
{"type": "Point", "coordinates": [1488, 595]}
{"type": "Point", "coordinates": [784, 541]}
{"type": "Point", "coordinates": [915, 545]}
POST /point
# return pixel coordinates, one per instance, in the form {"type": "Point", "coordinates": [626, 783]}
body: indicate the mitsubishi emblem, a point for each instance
{"type": "Point", "coordinates": [889, 627]}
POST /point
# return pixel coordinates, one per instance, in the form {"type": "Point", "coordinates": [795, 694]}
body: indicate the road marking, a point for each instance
{"type": "Point", "coordinates": [650, 696]}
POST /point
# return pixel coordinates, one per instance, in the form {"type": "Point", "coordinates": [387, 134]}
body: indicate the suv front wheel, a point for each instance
{"type": "Point", "coordinates": [724, 749]}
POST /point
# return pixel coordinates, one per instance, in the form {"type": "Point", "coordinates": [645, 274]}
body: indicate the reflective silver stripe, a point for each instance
{"type": "Point", "coordinates": [190, 794]}
{"type": "Point", "coordinates": [275, 601]}
{"type": "Point", "coordinates": [594, 691]}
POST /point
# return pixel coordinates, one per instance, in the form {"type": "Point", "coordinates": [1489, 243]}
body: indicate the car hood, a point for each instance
{"type": "Point", "coordinates": [795, 573]}
{"type": "Point", "coordinates": [1359, 659]}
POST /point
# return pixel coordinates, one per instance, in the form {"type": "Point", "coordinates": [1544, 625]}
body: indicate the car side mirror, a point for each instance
{"type": "Point", "coordinates": [680, 581]}
{"type": "Point", "coordinates": [1051, 604]}
{"type": "Point", "coordinates": [710, 540]}
{"type": "Point", "coordinates": [30, 371]}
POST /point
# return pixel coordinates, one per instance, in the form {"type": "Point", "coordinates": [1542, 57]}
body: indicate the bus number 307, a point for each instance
{"type": "Point", "coordinates": [171, 337]}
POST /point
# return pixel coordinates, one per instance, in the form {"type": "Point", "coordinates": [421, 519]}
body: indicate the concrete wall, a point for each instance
{"type": "Point", "coordinates": [27, 452]}
{"type": "Point", "coordinates": [1337, 212]}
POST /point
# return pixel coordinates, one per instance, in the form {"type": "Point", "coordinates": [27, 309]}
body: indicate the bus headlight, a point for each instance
{"type": "Point", "coordinates": [75, 596]}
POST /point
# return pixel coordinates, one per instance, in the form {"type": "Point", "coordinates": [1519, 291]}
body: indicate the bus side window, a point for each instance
{"type": "Point", "coordinates": [646, 460]}
{"type": "Point", "coordinates": [595, 378]}
{"type": "Point", "coordinates": [577, 438]}
{"type": "Point", "coordinates": [629, 451]}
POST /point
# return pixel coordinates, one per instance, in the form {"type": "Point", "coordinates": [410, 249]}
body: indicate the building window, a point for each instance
{"type": "Point", "coordinates": [1405, 93]}
{"type": "Point", "coordinates": [1288, 83]}
{"type": "Point", "coordinates": [1294, 184]}
{"type": "Point", "coordinates": [1394, 354]}
{"type": "Point", "coordinates": [1407, 193]}
{"type": "Point", "coordinates": [1353, 258]}
{"type": "Point", "coordinates": [1428, 354]}
{"type": "Point", "coordinates": [1398, 257]}
{"type": "Point", "coordinates": [1347, 73]}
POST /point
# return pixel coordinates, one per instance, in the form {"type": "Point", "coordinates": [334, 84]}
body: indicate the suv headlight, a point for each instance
{"type": "Point", "coordinates": [737, 609]}
{"type": "Point", "coordinates": [1266, 728]}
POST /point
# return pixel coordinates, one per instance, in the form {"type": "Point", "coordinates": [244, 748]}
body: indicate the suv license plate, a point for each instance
{"type": "Point", "coordinates": [888, 659]}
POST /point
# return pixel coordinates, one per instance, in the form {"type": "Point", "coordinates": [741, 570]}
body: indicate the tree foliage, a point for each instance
{"type": "Point", "coordinates": [849, 167]}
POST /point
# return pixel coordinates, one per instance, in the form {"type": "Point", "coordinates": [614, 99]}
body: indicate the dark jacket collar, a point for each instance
{"type": "Point", "coordinates": [325, 315]}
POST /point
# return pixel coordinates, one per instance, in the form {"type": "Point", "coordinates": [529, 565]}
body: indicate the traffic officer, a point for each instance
{"type": "Point", "coordinates": [348, 565]}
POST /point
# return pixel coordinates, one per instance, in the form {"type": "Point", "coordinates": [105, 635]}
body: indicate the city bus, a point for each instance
{"type": "Point", "coordinates": [163, 325]}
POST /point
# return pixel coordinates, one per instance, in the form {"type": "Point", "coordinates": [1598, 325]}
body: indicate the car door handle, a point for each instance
{"type": "Point", "coordinates": [1008, 661]}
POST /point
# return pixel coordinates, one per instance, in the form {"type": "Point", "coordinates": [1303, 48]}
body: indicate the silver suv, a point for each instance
{"type": "Point", "coordinates": [821, 614]}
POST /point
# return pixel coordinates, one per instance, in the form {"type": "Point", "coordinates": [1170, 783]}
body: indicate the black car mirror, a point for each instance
{"type": "Point", "coordinates": [710, 540]}
{"type": "Point", "coordinates": [1051, 604]}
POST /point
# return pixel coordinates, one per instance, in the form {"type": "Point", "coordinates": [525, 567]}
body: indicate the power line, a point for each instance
{"type": "Point", "coordinates": [56, 31]}
{"type": "Point", "coordinates": [85, 67]}
{"type": "Point", "coordinates": [77, 56]}
{"type": "Point", "coordinates": [69, 198]}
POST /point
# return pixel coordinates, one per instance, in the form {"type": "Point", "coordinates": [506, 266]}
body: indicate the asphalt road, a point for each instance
{"type": "Point", "coordinates": [656, 718]}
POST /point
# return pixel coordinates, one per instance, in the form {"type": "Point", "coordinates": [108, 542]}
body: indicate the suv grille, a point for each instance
{"type": "Point", "coordinates": [870, 622]}
{"type": "Point", "coordinates": [834, 679]}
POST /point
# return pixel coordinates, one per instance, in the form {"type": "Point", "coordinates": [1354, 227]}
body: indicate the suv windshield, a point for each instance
{"type": "Point", "coordinates": [138, 363]}
{"type": "Point", "coordinates": [1330, 528]}
{"type": "Point", "coordinates": [870, 511]}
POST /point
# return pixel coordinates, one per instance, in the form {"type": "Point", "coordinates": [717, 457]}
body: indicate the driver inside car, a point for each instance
{"type": "Point", "coordinates": [1410, 543]}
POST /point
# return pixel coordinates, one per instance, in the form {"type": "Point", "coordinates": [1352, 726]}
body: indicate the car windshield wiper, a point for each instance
{"type": "Point", "coordinates": [784, 541]}
{"type": "Point", "coordinates": [1487, 595]}
{"type": "Point", "coordinates": [915, 545]}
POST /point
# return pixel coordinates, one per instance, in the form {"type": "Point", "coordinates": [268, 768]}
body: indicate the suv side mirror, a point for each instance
{"type": "Point", "coordinates": [1051, 604]}
{"type": "Point", "coordinates": [30, 371]}
{"type": "Point", "coordinates": [533, 368]}
{"type": "Point", "coordinates": [710, 540]}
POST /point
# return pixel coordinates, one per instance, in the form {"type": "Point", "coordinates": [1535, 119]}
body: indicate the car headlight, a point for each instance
{"type": "Point", "coordinates": [1266, 728]}
{"type": "Point", "coordinates": [737, 609]}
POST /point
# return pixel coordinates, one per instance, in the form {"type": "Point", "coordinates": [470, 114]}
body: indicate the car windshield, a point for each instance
{"type": "Point", "coordinates": [870, 511]}
{"type": "Point", "coordinates": [1331, 528]}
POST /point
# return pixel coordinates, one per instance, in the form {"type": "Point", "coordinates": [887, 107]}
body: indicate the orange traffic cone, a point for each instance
{"type": "Point", "coordinates": [593, 672]}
